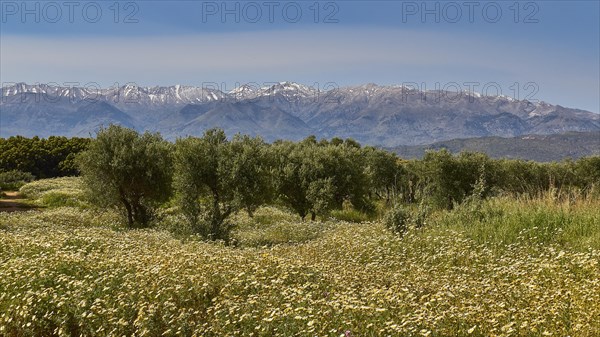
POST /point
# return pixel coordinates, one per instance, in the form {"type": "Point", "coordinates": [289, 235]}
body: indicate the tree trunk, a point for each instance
{"type": "Point", "coordinates": [129, 212]}
{"type": "Point", "coordinates": [313, 216]}
{"type": "Point", "coordinates": [140, 214]}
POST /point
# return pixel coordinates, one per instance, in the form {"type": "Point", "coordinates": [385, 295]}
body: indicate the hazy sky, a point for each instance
{"type": "Point", "coordinates": [546, 50]}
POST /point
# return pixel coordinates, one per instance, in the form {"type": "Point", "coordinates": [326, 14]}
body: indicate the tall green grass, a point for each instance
{"type": "Point", "coordinates": [572, 222]}
{"type": "Point", "coordinates": [351, 215]}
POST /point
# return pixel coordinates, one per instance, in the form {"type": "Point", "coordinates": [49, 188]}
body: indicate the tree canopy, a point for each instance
{"type": "Point", "coordinates": [126, 169]}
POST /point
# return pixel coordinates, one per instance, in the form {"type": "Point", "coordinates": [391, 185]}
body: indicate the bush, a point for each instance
{"type": "Point", "coordinates": [420, 216]}
{"type": "Point", "coordinates": [350, 215]}
{"type": "Point", "coordinates": [56, 192]}
{"type": "Point", "coordinates": [171, 219]}
{"type": "Point", "coordinates": [13, 180]}
{"type": "Point", "coordinates": [36, 189]}
{"type": "Point", "coordinates": [397, 219]}
{"type": "Point", "coordinates": [62, 198]}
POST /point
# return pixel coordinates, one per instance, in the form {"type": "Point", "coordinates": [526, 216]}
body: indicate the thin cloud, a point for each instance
{"type": "Point", "coordinates": [270, 54]}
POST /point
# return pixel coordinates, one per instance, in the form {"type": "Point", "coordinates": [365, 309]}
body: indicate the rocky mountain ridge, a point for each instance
{"type": "Point", "coordinates": [372, 114]}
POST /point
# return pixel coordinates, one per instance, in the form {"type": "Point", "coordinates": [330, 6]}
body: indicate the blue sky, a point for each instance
{"type": "Point", "coordinates": [545, 50]}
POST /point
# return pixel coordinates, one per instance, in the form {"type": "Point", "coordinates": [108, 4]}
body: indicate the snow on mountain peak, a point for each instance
{"type": "Point", "coordinates": [180, 95]}
{"type": "Point", "coordinates": [290, 90]}
{"type": "Point", "coordinates": [245, 91]}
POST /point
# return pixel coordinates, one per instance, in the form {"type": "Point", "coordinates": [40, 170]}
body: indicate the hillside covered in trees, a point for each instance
{"type": "Point", "coordinates": [541, 148]}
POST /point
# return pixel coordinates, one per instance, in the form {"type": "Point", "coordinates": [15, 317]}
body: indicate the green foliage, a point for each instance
{"type": "Point", "coordinates": [397, 220]}
{"type": "Point", "coordinates": [314, 178]}
{"type": "Point", "coordinates": [519, 176]}
{"type": "Point", "coordinates": [44, 158]}
{"type": "Point", "coordinates": [56, 192]}
{"type": "Point", "coordinates": [350, 215]}
{"type": "Point", "coordinates": [587, 171]}
{"type": "Point", "coordinates": [203, 184]}
{"type": "Point", "coordinates": [531, 178]}
{"type": "Point", "coordinates": [125, 169]}
{"type": "Point", "coordinates": [539, 148]}
{"type": "Point", "coordinates": [444, 180]}
{"type": "Point", "coordinates": [293, 177]}
{"type": "Point", "coordinates": [450, 179]}
{"type": "Point", "coordinates": [13, 180]}
{"type": "Point", "coordinates": [251, 170]}
{"type": "Point", "coordinates": [214, 178]}
{"type": "Point", "coordinates": [383, 172]}
{"type": "Point", "coordinates": [36, 189]}
{"type": "Point", "coordinates": [501, 222]}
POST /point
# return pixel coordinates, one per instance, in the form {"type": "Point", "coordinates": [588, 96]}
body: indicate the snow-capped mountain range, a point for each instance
{"type": "Point", "coordinates": [371, 114]}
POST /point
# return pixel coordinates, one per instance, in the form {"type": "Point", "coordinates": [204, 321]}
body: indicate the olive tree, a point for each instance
{"type": "Point", "coordinates": [128, 170]}
{"type": "Point", "coordinates": [449, 178]}
{"type": "Point", "coordinates": [251, 171]}
{"type": "Point", "coordinates": [214, 178]}
{"type": "Point", "coordinates": [588, 173]}
{"type": "Point", "coordinates": [383, 171]}
{"type": "Point", "coordinates": [313, 178]}
{"type": "Point", "coordinates": [345, 165]}
{"type": "Point", "coordinates": [293, 177]}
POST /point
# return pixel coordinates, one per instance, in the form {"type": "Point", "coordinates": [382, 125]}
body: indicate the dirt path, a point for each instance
{"type": "Point", "coordinates": [13, 202]}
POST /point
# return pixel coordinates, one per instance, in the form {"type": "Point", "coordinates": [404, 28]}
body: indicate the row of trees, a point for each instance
{"type": "Point", "coordinates": [44, 158]}
{"type": "Point", "coordinates": [211, 177]}
{"type": "Point", "coordinates": [445, 179]}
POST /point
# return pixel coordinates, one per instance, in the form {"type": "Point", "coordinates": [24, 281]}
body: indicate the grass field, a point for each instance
{"type": "Point", "coordinates": [503, 267]}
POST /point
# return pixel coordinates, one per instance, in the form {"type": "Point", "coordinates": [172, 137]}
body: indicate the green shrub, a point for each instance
{"type": "Point", "coordinates": [397, 220]}
{"type": "Point", "coordinates": [171, 219]}
{"type": "Point", "coordinates": [44, 158]}
{"type": "Point", "coordinates": [61, 198]}
{"type": "Point", "coordinates": [35, 189]}
{"type": "Point", "coordinates": [13, 180]}
{"type": "Point", "coordinates": [350, 215]}
{"type": "Point", "coordinates": [57, 192]}
{"type": "Point", "coordinates": [419, 217]}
